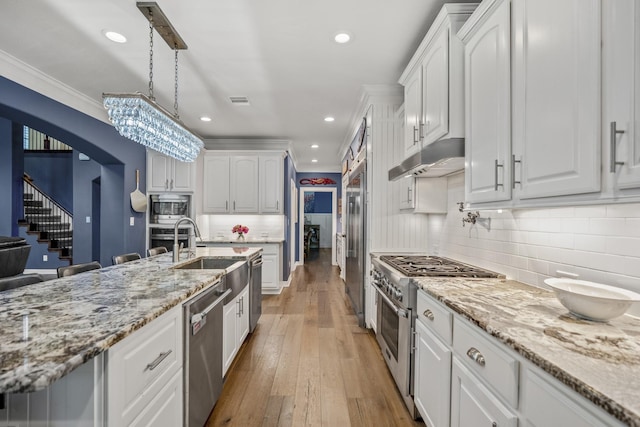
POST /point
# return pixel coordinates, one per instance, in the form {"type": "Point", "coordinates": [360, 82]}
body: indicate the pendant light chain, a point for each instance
{"type": "Point", "coordinates": [175, 98]}
{"type": "Point", "coordinates": [151, 59]}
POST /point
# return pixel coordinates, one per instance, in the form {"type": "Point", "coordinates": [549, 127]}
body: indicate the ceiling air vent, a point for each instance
{"type": "Point", "coordinates": [239, 100]}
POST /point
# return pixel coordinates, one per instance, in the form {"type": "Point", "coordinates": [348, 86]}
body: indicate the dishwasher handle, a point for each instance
{"type": "Point", "coordinates": [199, 319]}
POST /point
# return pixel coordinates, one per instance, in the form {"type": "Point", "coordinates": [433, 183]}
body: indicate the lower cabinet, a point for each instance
{"type": "Point", "coordinates": [142, 371]}
{"type": "Point", "coordinates": [235, 327]}
{"type": "Point", "coordinates": [432, 377]}
{"type": "Point", "coordinates": [488, 384]}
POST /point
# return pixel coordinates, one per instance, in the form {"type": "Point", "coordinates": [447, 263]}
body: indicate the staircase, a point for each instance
{"type": "Point", "coordinates": [49, 221]}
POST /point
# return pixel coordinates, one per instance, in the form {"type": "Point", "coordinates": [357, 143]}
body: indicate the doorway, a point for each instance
{"type": "Point", "coordinates": [326, 233]}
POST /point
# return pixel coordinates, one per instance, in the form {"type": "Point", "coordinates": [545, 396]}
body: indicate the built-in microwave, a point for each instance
{"type": "Point", "coordinates": [168, 208]}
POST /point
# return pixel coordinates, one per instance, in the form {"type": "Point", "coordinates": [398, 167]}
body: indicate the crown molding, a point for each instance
{"type": "Point", "coordinates": [24, 74]}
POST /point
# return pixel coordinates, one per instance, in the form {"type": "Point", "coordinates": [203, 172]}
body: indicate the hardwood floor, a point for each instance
{"type": "Point", "coordinates": [309, 364]}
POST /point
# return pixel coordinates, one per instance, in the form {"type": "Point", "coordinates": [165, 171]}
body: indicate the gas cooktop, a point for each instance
{"type": "Point", "coordinates": [423, 265]}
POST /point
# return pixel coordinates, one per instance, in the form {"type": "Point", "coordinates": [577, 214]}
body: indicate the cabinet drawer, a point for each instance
{"type": "Point", "coordinates": [435, 316]}
{"type": "Point", "coordinates": [141, 364]}
{"type": "Point", "coordinates": [498, 368]}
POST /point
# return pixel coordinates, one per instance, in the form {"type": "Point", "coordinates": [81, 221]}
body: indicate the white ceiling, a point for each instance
{"type": "Point", "coordinates": [278, 53]}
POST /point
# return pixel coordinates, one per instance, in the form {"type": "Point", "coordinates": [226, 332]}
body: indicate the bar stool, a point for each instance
{"type": "Point", "coordinates": [156, 251]}
{"type": "Point", "coordinates": [121, 259]}
{"type": "Point", "coordinates": [78, 268]}
{"type": "Point", "coordinates": [13, 282]}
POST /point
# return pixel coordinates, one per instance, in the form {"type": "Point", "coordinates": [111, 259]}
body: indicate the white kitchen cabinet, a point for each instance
{"type": "Point", "coordinates": [412, 112]}
{"type": "Point", "coordinates": [487, 86]}
{"type": "Point", "coordinates": [556, 97]}
{"type": "Point", "coordinates": [432, 377]}
{"type": "Point", "coordinates": [472, 404]}
{"type": "Point", "coordinates": [167, 174]}
{"type": "Point", "coordinates": [433, 82]}
{"type": "Point", "coordinates": [621, 93]}
{"type": "Point", "coordinates": [271, 184]}
{"type": "Point", "coordinates": [235, 325]}
{"type": "Point", "coordinates": [244, 186]}
{"type": "Point", "coordinates": [216, 187]}
{"type": "Point", "coordinates": [270, 280]}
{"type": "Point", "coordinates": [424, 195]}
{"type": "Point", "coordinates": [136, 392]}
{"type": "Point", "coordinates": [165, 410]}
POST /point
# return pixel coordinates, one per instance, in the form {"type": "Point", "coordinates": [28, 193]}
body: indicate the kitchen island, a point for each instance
{"type": "Point", "coordinates": [50, 329]}
{"type": "Point", "coordinates": [599, 362]}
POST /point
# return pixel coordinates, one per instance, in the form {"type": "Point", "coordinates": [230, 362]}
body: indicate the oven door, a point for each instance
{"type": "Point", "coordinates": [394, 337]}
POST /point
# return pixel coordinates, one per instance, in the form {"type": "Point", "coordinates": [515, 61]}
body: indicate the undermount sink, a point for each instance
{"type": "Point", "coordinates": [592, 301]}
{"type": "Point", "coordinates": [209, 264]}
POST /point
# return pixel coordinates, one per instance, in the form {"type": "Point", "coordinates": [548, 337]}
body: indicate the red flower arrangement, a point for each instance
{"type": "Point", "coordinates": [240, 229]}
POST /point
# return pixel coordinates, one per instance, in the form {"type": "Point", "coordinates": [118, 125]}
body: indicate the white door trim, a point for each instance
{"type": "Point", "coordinates": [334, 216]}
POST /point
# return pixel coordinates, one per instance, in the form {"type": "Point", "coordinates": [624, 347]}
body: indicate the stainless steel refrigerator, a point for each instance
{"type": "Point", "coordinates": [356, 238]}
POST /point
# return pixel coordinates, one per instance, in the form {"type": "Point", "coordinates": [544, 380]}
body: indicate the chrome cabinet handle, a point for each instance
{"type": "Point", "coordinates": [238, 307]}
{"type": "Point", "coordinates": [226, 205]}
{"type": "Point", "coordinates": [494, 424]}
{"type": "Point", "coordinates": [277, 205]}
{"type": "Point", "coordinates": [496, 185]}
{"type": "Point", "coordinates": [421, 136]}
{"type": "Point", "coordinates": [166, 184]}
{"type": "Point", "coordinates": [612, 137]}
{"type": "Point", "coordinates": [429, 314]}
{"type": "Point", "coordinates": [409, 194]}
{"type": "Point", "coordinates": [475, 355]}
{"type": "Point", "coordinates": [234, 205]}
{"type": "Point", "coordinates": [415, 135]}
{"type": "Point", "coordinates": [513, 171]}
{"type": "Point", "coordinates": [171, 185]}
{"type": "Point", "coordinates": [153, 365]}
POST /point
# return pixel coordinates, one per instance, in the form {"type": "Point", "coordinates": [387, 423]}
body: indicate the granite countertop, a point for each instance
{"type": "Point", "coordinates": [600, 361]}
{"type": "Point", "coordinates": [248, 240]}
{"type": "Point", "coordinates": [48, 329]}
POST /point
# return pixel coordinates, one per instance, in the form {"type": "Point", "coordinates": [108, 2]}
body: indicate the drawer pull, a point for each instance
{"type": "Point", "coordinates": [475, 355]}
{"type": "Point", "coordinates": [429, 314]}
{"type": "Point", "coordinates": [153, 365]}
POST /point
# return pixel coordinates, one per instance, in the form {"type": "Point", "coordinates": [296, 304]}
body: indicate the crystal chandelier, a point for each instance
{"type": "Point", "coordinates": [140, 118]}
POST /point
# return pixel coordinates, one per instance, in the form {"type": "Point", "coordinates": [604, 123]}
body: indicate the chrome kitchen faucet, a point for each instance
{"type": "Point", "coordinates": [176, 247]}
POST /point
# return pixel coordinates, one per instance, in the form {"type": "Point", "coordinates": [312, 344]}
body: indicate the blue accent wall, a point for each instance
{"type": "Point", "coordinates": [119, 158]}
{"type": "Point", "coordinates": [6, 178]}
{"type": "Point", "coordinates": [52, 172]}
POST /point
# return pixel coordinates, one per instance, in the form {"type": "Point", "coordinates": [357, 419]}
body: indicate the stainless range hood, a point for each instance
{"type": "Point", "coordinates": [439, 158]}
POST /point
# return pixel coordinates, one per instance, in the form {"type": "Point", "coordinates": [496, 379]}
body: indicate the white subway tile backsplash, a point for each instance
{"type": "Point", "coordinates": [599, 243]}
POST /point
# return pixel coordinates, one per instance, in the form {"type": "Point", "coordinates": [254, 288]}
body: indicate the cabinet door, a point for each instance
{"type": "Point", "coordinates": [183, 177]}
{"type": "Point", "coordinates": [270, 272]}
{"type": "Point", "coordinates": [229, 341]}
{"type": "Point", "coordinates": [621, 72]}
{"type": "Point", "coordinates": [556, 98]}
{"type": "Point", "coordinates": [216, 185]}
{"type": "Point", "coordinates": [244, 184]}
{"type": "Point", "coordinates": [407, 199]}
{"type": "Point", "coordinates": [165, 410]}
{"type": "Point", "coordinates": [159, 169]}
{"type": "Point", "coordinates": [488, 107]}
{"type": "Point", "coordinates": [472, 404]}
{"type": "Point", "coordinates": [242, 327]}
{"type": "Point", "coordinates": [412, 113]}
{"type": "Point", "coordinates": [271, 184]}
{"type": "Point", "coordinates": [432, 377]}
{"type": "Point", "coordinates": [435, 91]}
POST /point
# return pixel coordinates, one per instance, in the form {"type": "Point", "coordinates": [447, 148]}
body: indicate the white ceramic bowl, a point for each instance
{"type": "Point", "coordinates": [592, 301]}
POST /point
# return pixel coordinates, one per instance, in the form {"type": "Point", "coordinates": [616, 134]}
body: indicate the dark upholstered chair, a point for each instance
{"type": "Point", "coordinates": [156, 251]}
{"type": "Point", "coordinates": [78, 268]}
{"type": "Point", "coordinates": [121, 259]}
{"type": "Point", "coordinates": [7, 283]}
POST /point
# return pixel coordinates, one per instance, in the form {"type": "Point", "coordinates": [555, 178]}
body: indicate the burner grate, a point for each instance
{"type": "Point", "coordinates": [422, 265]}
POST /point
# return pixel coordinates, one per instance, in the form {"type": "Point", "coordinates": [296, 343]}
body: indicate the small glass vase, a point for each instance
{"type": "Point", "coordinates": [240, 237]}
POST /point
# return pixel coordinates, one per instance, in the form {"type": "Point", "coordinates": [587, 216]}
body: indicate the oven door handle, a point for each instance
{"type": "Point", "coordinates": [398, 311]}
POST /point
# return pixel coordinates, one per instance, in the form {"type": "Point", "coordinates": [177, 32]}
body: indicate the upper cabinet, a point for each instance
{"type": "Point", "coordinates": [621, 84]}
{"type": "Point", "coordinates": [167, 174]}
{"type": "Point", "coordinates": [433, 82]}
{"type": "Point", "coordinates": [247, 183]}
{"type": "Point", "coordinates": [487, 86]}
{"type": "Point", "coordinates": [567, 133]}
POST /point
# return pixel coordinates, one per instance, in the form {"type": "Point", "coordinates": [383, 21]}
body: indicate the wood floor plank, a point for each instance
{"type": "Point", "coordinates": [308, 363]}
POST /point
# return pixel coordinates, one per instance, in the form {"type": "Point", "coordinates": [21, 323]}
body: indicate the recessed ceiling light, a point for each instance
{"type": "Point", "coordinates": [342, 38]}
{"type": "Point", "coordinates": [329, 119]}
{"type": "Point", "coordinates": [314, 160]}
{"type": "Point", "coordinates": [205, 118]}
{"type": "Point", "coordinates": [114, 37]}
{"type": "Point", "coordinates": [314, 146]}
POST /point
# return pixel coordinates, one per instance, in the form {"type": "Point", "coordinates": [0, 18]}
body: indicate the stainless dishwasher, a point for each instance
{"type": "Point", "coordinates": [203, 354]}
{"type": "Point", "coordinates": [255, 291]}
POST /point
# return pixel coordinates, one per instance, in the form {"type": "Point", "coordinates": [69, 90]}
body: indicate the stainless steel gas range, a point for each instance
{"type": "Point", "coordinates": [397, 300]}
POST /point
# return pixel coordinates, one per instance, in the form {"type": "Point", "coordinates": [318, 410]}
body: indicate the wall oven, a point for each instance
{"type": "Point", "coordinates": [163, 236]}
